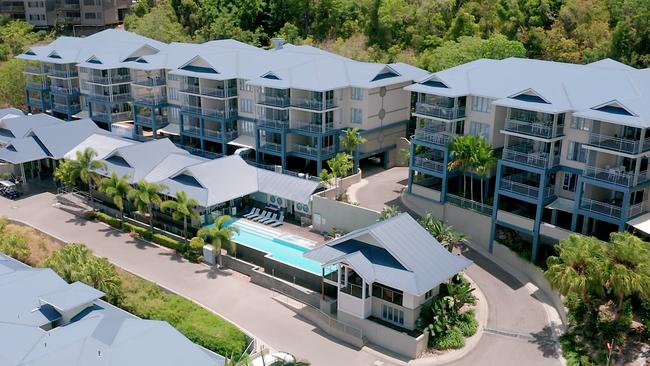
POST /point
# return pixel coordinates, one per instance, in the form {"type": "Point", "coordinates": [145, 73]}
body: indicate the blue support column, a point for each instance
{"type": "Point", "coordinates": [257, 145]}
{"type": "Point", "coordinates": [625, 209]}
{"type": "Point", "coordinates": [283, 145]}
{"type": "Point", "coordinates": [42, 95]}
{"type": "Point", "coordinates": [154, 127]}
{"type": "Point", "coordinates": [135, 121]}
{"type": "Point", "coordinates": [182, 136]}
{"type": "Point", "coordinates": [319, 154]}
{"type": "Point", "coordinates": [224, 140]}
{"type": "Point", "coordinates": [579, 192]}
{"type": "Point", "coordinates": [495, 208]}
{"type": "Point", "coordinates": [68, 106]}
{"type": "Point", "coordinates": [202, 132]}
{"type": "Point", "coordinates": [27, 102]}
{"type": "Point", "coordinates": [538, 216]}
{"type": "Point", "coordinates": [445, 176]}
{"type": "Point", "coordinates": [411, 162]}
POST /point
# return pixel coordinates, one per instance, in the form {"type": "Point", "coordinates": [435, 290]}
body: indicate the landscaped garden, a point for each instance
{"type": "Point", "coordinates": [142, 298]}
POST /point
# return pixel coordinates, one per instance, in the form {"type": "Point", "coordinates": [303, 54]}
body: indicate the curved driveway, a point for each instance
{"type": "Point", "coordinates": [517, 332]}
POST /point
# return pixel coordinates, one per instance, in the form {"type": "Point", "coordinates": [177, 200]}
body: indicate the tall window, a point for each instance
{"type": "Point", "coordinates": [576, 152]}
{"type": "Point", "coordinates": [569, 182]}
{"type": "Point", "coordinates": [480, 129]}
{"type": "Point", "coordinates": [357, 94]}
{"type": "Point", "coordinates": [356, 115]}
{"type": "Point", "coordinates": [243, 86]}
{"type": "Point", "coordinates": [90, 15]}
{"type": "Point", "coordinates": [387, 293]}
{"type": "Point", "coordinates": [578, 123]}
{"type": "Point", "coordinates": [246, 105]}
{"type": "Point", "coordinates": [392, 314]}
{"type": "Point", "coordinates": [480, 104]}
{"type": "Point", "coordinates": [173, 94]}
{"type": "Point", "coordinates": [247, 128]}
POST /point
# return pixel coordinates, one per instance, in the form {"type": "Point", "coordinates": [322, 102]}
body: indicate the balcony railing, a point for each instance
{"type": "Point", "coordinates": [218, 135]}
{"type": "Point", "coordinates": [191, 131]}
{"type": "Point", "coordinates": [36, 69]}
{"type": "Point", "coordinates": [63, 90]}
{"type": "Point", "coordinates": [426, 161]}
{"type": "Point", "coordinates": [312, 150]}
{"type": "Point", "coordinates": [313, 127]}
{"type": "Point", "coordinates": [149, 82]}
{"type": "Point", "coordinates": [111, 117]}
{"type": "Point", "coordinates": [150, 100]}
{"type": "Point", "coordinates": [601, 207]}
{"type": "Point", "coordinates": [616, 176]}
{"type": "Point", "coordinates": [514, 184]}
{"type": "Point", "coordinates": [277, 124]}
{"type": "Point", "coordinates": [469, 204]}
{"type": "Point", "coordinates": [219, 92]}
{"type": "Point", "coordinates": [614, 143]}
{"type": "Point", "coordinates": [107, 80]}
{"type": "Point", "coordinates": [637, 209]}
{"type": "Point", "coordinates": [313, 104]}
{"type": "Point", "coordinates": [436, 136]}
{"type": "Point", "coordinates": [437, 111]}
{"type": "Point", "coordinates": [539, 129]}
{"type": "Point", "coordinates": [122, 97]}
{"type": "Point", "coordinates": [63, 73]}
{"type": "Point", "coordinates": [38, 103]}
{"type": "Point", "coordinates": [37, 85]}
{"type": "Point", "coordinates": [70, 6]}
{"type": "Point", "coordinates": [63, 108]}
{"type": "Point", "coordinates": [271, 146]}
{"type": "Point", "coordinates": [274, 101]}
{"type": "Point", "coordinates": [147, 120]}
{"type": "Point", "coordinates": [534, 159]}
{"type": "Point", "coordinates": [219, 114]}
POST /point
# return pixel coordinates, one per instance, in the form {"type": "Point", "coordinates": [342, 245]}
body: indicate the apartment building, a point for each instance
{"type": "Point", "coordinates": [573, 140]}
{"type": "Point", "coordinates": [86, 13]}
{"type": "Point", "coordinates": [288, 103]}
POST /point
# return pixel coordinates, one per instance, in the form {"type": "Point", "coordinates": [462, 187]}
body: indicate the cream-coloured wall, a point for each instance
{"type": "Point", "coordinates": [410, 315]}
{"type": "Point", "coordinates": [350, 304]}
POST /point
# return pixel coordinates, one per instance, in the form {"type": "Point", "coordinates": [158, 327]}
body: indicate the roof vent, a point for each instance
{"type": "Point", "coordinates": [277, 43]}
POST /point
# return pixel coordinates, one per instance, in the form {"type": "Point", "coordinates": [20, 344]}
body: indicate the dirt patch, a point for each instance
{"type": "Point", "coordinates": [40, 245]}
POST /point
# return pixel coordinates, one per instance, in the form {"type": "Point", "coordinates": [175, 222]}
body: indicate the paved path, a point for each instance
{"type": "Point", "coordinates": [517, 331]}
{"type": "Point", "coordinates": [225, 292]}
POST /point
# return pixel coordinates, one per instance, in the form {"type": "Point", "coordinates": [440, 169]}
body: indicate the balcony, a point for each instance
{"type": "Point", "coordinates": [63, 74]}
{"type": "Point", "coordinates": [427, 161]}
{"type": "Point", "coordinates": [70, 6]}
{"type": "Point", "coordinates": [274, 101]}
{"type": "Point", "coordinates": [218, 135]}
{"type": "Point", "coordinates": [538, 129]}
{"type": "Point", "coordinates": [108, 80]}
{"type": "Point", "coordinates": [111, 117]}
{"type": "Point", "coordinates": [110, 98]}
{"type": "Point", "coordinates": [436, 136]}
{"type": "Point", "coordinates": [38, 103]}
{"type": "Point", "coordinates": [616, 176]}
{"type": "Point", "coordinates": [63, 108]}
{"type": "Point", "coordinates": [520, 185]}
{"type": "Point", "coordinates": [194, 131]}
{"type": "Point", "coordinates": [156, 100]}
{"type": "Point", "coordinates": [437, 111]}
{"type": "Point", "coordinates": [36, 69]}
{"type": "Point", "coordinates": [616, 143]}
{"type": "Point", "coordinates": [602, 208]}
{"type": "Point", "coordinates": [313, 104]}
{"type": "Point", "coordinates": [146, 120]}
{"type": "Point", "coordinates": [637, 209]}
{"type": "Point", "coordinates": [149, 82]}
{"type": "Point", "coordinates": [64, 90]}
{"type": "Point", "coordinates": [209, 92]}
{"type": "Point", "coordinates": [313, 127]}
{"type": "Point", "coordinates": [37, 85]}
{"type": "Point", "coordinates": [276, 124]}
{"type": "Point", "coordinates": [270, 147]}
{"type": "Point", "coordinates": [312, 150]}
{"type": "Point", "coordinates": [534, 159]}
{"type": "Point", "coordinates": [215, 114]}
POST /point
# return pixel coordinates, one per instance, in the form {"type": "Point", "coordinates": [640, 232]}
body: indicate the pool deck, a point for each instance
{"type": "Point", "coordinates": [291, 229]}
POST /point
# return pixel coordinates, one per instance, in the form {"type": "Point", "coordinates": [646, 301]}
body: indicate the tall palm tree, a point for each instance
{"type": "Point", "coordinates": [83, 167]}
{"type": "Point", "coordinates": [484, 160]}
{"type": "Point", "coordinates": [350, 140]}
{"type": "Point", "coordinates": [628, 269]}
{"type": "Point", "coordinates": [340, 165]}
{"type": "Point", "coordinates": [220, 235]}
{"type": "Point", "coordinates": [182, 208]}
{"type": "Point", "coordinates": [145, 196]}
{"type": "Point", "coordinates": [445, 234]}
{"type": "Point", "coordinates": [578, 267]}
{"type": "Point", "coordinates": [461, 158]}
{"type": "Point", "coordinates": [116, 188]}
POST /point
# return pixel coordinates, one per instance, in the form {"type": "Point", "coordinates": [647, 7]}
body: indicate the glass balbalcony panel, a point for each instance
{"type": "Point", "coordinates": [273, 123]}
{"type": "Point", "coordinates": [437, 136]}
{"type": "Point", "coordinates": [274, 101]}
{"type": "Point", "coordinates": [438, 111]}
{"type": "Point", "coordinates": [313, 104]}
{"type": "Point", "coordinates": [534, 159]}
{"type": "Point", "coordinates": [428, 161]}
{"type": "Point", "coordinates": [271, 146]}
{"type": "Point", "coordinates": [614, 143]}
{"type": "Point", "coordinates": [600, 207]}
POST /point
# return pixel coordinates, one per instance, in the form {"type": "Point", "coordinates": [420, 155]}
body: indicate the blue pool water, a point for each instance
{"type": "Point", "coordinates": [266, 240]}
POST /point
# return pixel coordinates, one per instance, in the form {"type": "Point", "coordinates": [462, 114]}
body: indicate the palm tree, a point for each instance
{"type": "Point", "coordinates": [65, 173]}
{"type": "Point", "coordinates": [445, 234]}
{"type": "Point", "coordinates": [578, 267]}
{"type": "Point", "coordinates": [483, 160]}
{"type": "Point", "coordinates": [117, 188]}
{"type": "Point", "coordinates": [144, 197]}
{"type": "Point", "coordinates": [83, 167]}
{"type": "Point", "coordinates": [628, 268]}
{"type": "Point", "coordinates": [340, 165]}
{"type": "Point", "coordinates": [461, 158]}
{"type": "Point", "coordinates": [220, 235]}
{"type": "Point", "coordinates": [351, 139]}
{"type": "Point", "coordinates": [182, 208]}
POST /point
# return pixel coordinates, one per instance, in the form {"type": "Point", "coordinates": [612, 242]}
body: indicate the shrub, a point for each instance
{"type": "Point", "coordinates": [90, 215]}
{"type": "Point", "coordinates": [167, 242]}
{"type": "Point", "coordinates": [113, 221]}
{"type": "Point", "coordinates": [467, 323]}
{"type": "Point", "coordinates": [451, 340]}
{"type": "Point", "coordinates": [142, 232]}
{"type": "Point", "coordinates": [3, 223]}
{"type": "Point", "coordinates": [15, 246]}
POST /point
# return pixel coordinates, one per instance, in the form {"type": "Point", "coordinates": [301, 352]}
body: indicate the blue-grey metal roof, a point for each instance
{"type": "Point", "coordinates": [285, 186]}
{"type": "Point", "coordinates": [101, 335]}
{"type": "Point", "coordinates": [58, 139]}
{"type": "Point", "coordinates": [396, 252]}
{"type": "Point", "coordinates": [71, 297]}
{"type": "Point", "coordinates": [10, 112]}
{"type": "Point", "coordinates": [22, 150]}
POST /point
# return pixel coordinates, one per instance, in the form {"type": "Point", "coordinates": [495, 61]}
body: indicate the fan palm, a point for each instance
{"type": "Point", "coordinates": [144, 197]}
{"type": "Point", "coordinates": [628, 269]}
{"type": "Point", "coordinates": [445, 234]}
{"type": "Point", "coordinates": [578, 267]}
{"type": "Point", "coordinates": [116, 188]}
{"type": "Point", "coordinates": [220, 235]}
{"type": "Point", "coordinates": [182, 208]}
{"type": "Point", "coordinates": [461, 158]}
{"type": "Point", "coordinates": [350, 140]}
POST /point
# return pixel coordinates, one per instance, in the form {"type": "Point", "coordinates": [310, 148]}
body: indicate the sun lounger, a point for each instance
{"type": "Point", "coordinates": [278, 222]}
{"type": "Point", "coordinates": [265, 215]}
{"type": "Point", "coordinates": [255, 211]}
{"type": "Point", "coordinates": [258, 216]}
{"type": "Point", "coordinates": [270, 220]}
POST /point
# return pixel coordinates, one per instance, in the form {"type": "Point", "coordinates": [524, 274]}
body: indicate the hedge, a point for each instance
{"type": "Point", "coordinates": [113, 221]}
{"type": "Point", "coordinates": [142, 232]}
{"type": "Point", "coordinates": [167, 242]}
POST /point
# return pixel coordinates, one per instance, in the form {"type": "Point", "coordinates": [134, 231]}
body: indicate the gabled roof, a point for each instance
{"type": "Point", "coordinates": [22, 125]}
{"type": "Point", "coordinates": [23, 150]}
{"type": "Point", "coordinates": [137, 160]}
{"type": "Point", "coordinates": [396, 252]}
{"type": "Point", "coordinates": [58, 139]}
{"type": "Point", "coordinates": [71, 297]}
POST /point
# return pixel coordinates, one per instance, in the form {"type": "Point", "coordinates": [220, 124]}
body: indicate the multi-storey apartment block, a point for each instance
{"type": "Point", "coordinates": [47, 13]}
{"type": "Point", "coordinates": [574, 142]}
{"type": "Point", "coordinates": [288, 103]}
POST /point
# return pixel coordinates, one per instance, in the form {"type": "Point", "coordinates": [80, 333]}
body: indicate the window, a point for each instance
{"type": "Point", "coordinates": [89, 2]}
{"type": "Point", "coordinates": [576, 152]}
{"type": "Point", "coordinates": [90, 15]}
{"type": "Point", "coordinates": [480, 104]}
{"type": "Point", "coordinates": [247, 128]}
{"type": "Point", "coordinates": [480, 129]}
{"type": "Point", "coordinates": [569, 182]}
{"type": "Point", "coordinates": [246, 105]}
{"type": "Point", "coordinates": [428, 294]}
{"type": "Point", "coordinates": [578, 123]}
{"type": "Point", "coordinates": [357, 94]}
{"type": "Point", "coordinates": [356, 115]}
{"type": "Point", "coordinates": [387, 293]}
{"type": "Point", "coordinates": [243, 86]}
{"type": "Point", "coordinates": [172, 77]}
{"type": "Point", "coordinates": [392, 314]}
{"type": "Point", "coordinates": [173, 94]}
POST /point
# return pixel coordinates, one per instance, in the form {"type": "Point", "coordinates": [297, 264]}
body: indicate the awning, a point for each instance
{"type": "Point", "coordinates": [171, 129]}
{"type": "Point", "coordinates": [244, 141]}
{"type": "Point", "coordinates": [641, 223]}
{"type": "Point", "coordinates": [562, 204]}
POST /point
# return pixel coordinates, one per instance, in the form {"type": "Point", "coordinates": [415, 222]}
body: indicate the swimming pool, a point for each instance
{"type": "Point", "coordinates": [279, 246]}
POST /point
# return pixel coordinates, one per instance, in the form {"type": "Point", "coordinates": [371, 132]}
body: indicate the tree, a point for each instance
{"type": "Point", "coordinates": [182, 208]}
{"type": "Point", "coordinates": [83, 167]}
{"type": "Point", "coordinates": [15, 246]}
{"type": "Point", "coordinates": [351, 140]}
{"type": "Point", "coordinates": [15, 37]}
{"type": "Point", "coordinates": [144, 197]}
{"type": "Point", "coordinates": [628, 267]}
{"type": "Point", "coordinates": [116, 188]}
{"type": "Point", "coordinates": [445, 234]}
{"type": "Point", "coordinates": [159, 23]}
{"type": "Point", "coordinates": [339, 166]}
{"type": "Point", "coordinates": [66, 173]}
{"type": "Point", "coordinates": [460, 151]}
{"type": "Point", "coordinates": [68, 261]}
{"type": "Point", "coordinates": [483, 160]}
{"type": "Point", "coordinates": [220, 235]}
{"type": "Point", "coordinates": [12, 83]}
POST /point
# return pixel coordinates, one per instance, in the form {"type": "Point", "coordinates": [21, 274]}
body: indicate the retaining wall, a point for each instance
{"type": "Point", "coordinates": [329, 214]}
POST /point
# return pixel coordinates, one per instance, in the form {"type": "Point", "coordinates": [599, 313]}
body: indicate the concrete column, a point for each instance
{"type": "Point", "coordinates": [495, 208]}
{"type": "Point", "coordinates": [283, 146]}
{"type": "Point", "coordinates": [579, 192]}
{"type": "Point", "coordinates": [445, 176]}
{"type": "Point", "coordinates": [201, 132]}
{"type": "Point", "coordinates": [223, 133]}
{"type": "Point", "coordinates": [257, 145]}
{"type": "Point", "coordinates": [411, 172]}
{"type": "Point", "coordinates": [539, 211]}
{"type": "Point", "coordinates": [554, 217]}
{"type": "Point", "coordinates": [319, 154]}
{"type": "Point", "coordinates": [625, 209]}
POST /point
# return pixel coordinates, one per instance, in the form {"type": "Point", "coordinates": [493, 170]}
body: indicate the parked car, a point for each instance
{"type": "Point", "coordinates": [8, 189]}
